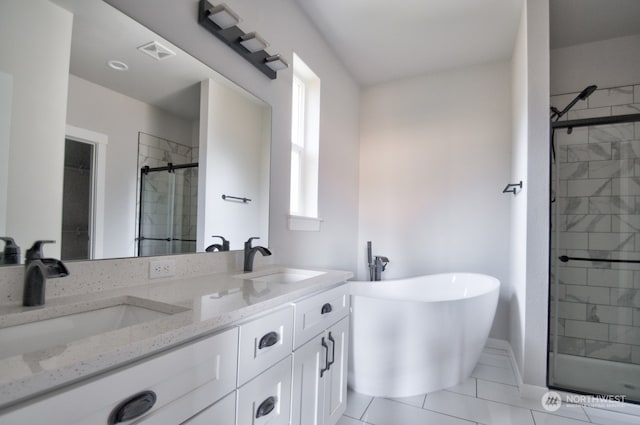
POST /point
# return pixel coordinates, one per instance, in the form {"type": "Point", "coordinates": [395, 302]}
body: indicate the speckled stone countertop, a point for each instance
{"type": "Point", "coordinates": [197, 306]}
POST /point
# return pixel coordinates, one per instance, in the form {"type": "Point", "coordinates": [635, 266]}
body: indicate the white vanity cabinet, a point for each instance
{"type": "Point", "coordinates": [320, 364]}
{"type": "Point", "coordinates": [182, 382]}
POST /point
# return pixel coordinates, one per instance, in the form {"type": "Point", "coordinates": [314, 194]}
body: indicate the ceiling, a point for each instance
{"type": "Point", "coordinates": [380, 41]}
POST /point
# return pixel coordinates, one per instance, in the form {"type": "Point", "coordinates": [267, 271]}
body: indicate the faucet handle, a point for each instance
{"type": "Point", "coordinates": [35, 252]}
{"type": "Point", "coordinates": [247, 244]}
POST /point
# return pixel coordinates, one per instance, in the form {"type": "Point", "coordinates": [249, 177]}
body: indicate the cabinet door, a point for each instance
{"type": "Point", "coordinates": [335, 386]}
{"type": "Point", "coordinates": [308, 386]}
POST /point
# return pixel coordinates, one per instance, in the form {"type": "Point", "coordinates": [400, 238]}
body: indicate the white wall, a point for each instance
{"type": "Point", "coordinates": [283, 24]}
{"type": "Point", "coordinates": [236, 132]}
{"type": "Point", "coordinates": [120, 117]}
{"type": "Point", "coordinates": [608, 63]}
{"type": "Point", "coordinates": [434, 157]}
{"type": "Point", "coordinates": [518, 246]}
{"type": "Point", "coordinates": [38, 111]}
{"type": "Point", "coordinates": [529, 304]}
{"type": "Point", "coordinates": [6, 95]}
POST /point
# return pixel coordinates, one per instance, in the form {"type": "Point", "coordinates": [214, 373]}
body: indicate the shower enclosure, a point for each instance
{"type": "Point", "coordinates": [168, 209]}
{"type": "Point", "coordinates": [594, 332]}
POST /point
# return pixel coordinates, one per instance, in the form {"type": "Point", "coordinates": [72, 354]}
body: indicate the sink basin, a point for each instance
{"type": "Point", "coordinates": [43, 334]}
{"type": "Point", "coordinates": [281, 275]}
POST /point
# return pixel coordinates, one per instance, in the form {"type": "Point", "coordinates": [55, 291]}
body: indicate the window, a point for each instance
{"type": "Point", "coordinates": [305, 126]}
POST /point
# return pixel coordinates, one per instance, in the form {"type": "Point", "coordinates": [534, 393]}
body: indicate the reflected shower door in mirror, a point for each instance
{"type": "Point", "coordinates": [102, 75]}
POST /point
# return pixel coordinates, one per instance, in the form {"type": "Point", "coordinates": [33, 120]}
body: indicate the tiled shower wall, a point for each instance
{"type": "Point", "coordinates": [597, 211]}
{"type": "Point", "coordinates": [158, 152]}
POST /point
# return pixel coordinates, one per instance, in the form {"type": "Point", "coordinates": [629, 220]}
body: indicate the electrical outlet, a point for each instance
{"type": "Point", "coordinates": [162, 268]}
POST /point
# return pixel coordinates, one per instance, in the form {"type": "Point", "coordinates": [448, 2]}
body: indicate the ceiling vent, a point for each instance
{"type": "Point", "coordinates": [156, 50]}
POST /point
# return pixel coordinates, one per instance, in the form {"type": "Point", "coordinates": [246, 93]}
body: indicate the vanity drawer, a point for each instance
{"type": "Point", "coordinates": [316, 313]}
{"type": "Point", "coordinates": [267, 398]}
{"type": "Point", "coordinates": [222, 412]}
{"type": "Point", "coordinates": [264, 342]}
{"type": "Point", "coordinates": [211, 361]}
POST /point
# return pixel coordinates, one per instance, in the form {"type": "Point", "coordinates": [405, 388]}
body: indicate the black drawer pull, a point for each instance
{"type": "Point", "coordinates": [326, 309]}
{"type": "Point", "coordinates": [133, 407]}
{"type": "Point", "coordinates": [268, 340]}
{"type": "Point", "coordinates": [266, 407]}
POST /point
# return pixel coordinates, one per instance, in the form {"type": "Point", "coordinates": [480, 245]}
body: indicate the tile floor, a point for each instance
{"type": "Point", "coordinates": [489, 397]}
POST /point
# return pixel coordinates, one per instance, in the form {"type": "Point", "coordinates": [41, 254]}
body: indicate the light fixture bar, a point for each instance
{"type": "Point", "coordinates": [253, 48]}
{"type": "Point", "coordinates": [223, 16]}
{"type": "Point", "coordinates": [276, 62]}
{"type": "Point", "coordinates": [253, 42]}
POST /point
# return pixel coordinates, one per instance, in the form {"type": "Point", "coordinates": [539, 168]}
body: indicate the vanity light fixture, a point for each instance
{"type": "Point", "coordinates": [276, 62]}
{"type": "Point", "coordinates": [223, 16]}
{"type": "Point", "coordinates": [253, 42]}
{"type": "Point", "coordinates": [222, 22]}
{"type": "Point", "coordinates": [117, 65]}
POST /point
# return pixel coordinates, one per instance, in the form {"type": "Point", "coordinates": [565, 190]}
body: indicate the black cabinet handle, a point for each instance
{"type": "Point", "coordinates": [133, 407]}
{"type": "Point", "coordinates": [266, 407]}
{"type": "Point", "coordinates": [268, 340]}
{"type": "Point", "coordinates": [326, 309]}
{"type": "Point", "coordinates": [333, 351]}
{"type": "Point", "coordinates": [326, 358]}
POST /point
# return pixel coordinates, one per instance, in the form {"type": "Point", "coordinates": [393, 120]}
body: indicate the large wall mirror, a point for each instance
{"type": "Point", "coordinates": [116, 143]}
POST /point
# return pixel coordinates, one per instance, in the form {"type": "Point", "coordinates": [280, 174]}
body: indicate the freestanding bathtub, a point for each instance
{"type": "Point", "coordinates": [418, 335]}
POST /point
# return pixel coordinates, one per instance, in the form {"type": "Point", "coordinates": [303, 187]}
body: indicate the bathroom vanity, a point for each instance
{"type": "Point", "coordinates": [231, 348]}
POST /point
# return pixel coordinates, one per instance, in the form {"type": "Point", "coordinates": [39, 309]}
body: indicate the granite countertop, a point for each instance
{"type": "Point", "coordinates": [197, 306]}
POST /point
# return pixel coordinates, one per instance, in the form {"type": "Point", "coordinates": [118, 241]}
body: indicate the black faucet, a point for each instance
{"type": "Point", "coordinates": [37, 270]}
{"type": "Point", "coordinates": [218, 247]}
{"type": "Point", "coordinates": [11, 253]}
{"type": "Point", "coordinates": [250, 253]}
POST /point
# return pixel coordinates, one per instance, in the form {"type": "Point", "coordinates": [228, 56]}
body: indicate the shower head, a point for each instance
{"type": "Point", "coordinates": [587, 92]}
{"type": "Point", "coordinates": [584, 94]}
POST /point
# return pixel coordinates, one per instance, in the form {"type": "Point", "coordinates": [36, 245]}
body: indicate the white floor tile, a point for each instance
{"type": "Point", "coordinates": [474, 409]}
{"type": "Point", "coordinates": [495, 360]}
{"type": "Point", "coordinates": [356, 404]}
{"type": "Point", "coordinates": [509, 394]}
{"type": "Point", "coordinates": [547, 419]}
{"type": "Point", "coordinates": [417, 401]}
{"type": "Point", "coordinates": [388, 412]}
{"type": "Point", "coordinates": [468, 387]}
{"type": "Point", "coordinates": [607, 417]}
{"type": "Point", "coordinates": [345, 420]}
{"type": "Point", "coordinates": [495, 374]}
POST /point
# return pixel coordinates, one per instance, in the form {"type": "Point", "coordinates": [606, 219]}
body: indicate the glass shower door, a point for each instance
{"type": "Point", "coordinates": [594, 335]}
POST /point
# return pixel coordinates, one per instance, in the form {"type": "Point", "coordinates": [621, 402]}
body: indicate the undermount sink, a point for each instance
{"type": "Point", "coordinates": [281, 275]}
{"type": "Point", "coordinates": [43, 334]}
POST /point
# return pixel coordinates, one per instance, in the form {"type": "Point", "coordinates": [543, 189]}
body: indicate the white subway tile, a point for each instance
{"type": "Point", "coordinates": [607, 169]}
{"type": "Point", "coordinates": [610, 314]}
{"type": "Point", "coordinates": [574, 240]}
{"type": "Point", "coordinates": [612, 204]}
{"type": "Point", "coordinates": [611, 133]}
{"type": "Point", "coordinates": [611, 278]}
{"type": "Point", "coordinates": [571, 310]}
{"type": "Point", "coordinates": [612, 241]}
{"type": "Point", "coordinates": [635, 354]}
{"type": "Point", "coordinates": [577, 136]}
{"type": "Point", "coordinates": [588, 294]}
{"type": "Point", "coordinates": [633, 108]}
{"type": "Point", "coordinates": [574, 170]}
{"type": "Point", "coordinates": [590, 113]}
{"type": "Point", "coordinates": [587, 223]}
{"type": "Point", "coordinates": [625, 297]}
{"type": "Point", "coordinates": [572, 275]}
{"type": "Point", "coordinates": [612, 96]}
{"type": "Point", "coordinates": [591, 330]}
{"type": "Point", "coordinates": [636, 93]}
{"type": "Point", "coordinates": [568, 345]}
{"type": "Point", "coordinates": [588, 152]}
{"type": "Point", "coordinates": [590, 187]}
{"type": "Point", "coordinates": [576, 205]}
{"type": "Point", "coordinates": [629, 186]}
{"type": "Point", "coordinates": [608, 351]}
{"type": "Point", "coordinates": [624, 334]}
{"type": "Point", "coordinates": [625, 149]}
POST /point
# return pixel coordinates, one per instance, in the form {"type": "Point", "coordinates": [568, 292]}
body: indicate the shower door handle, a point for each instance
{"type": "Point", "coordinates": [326, 358]}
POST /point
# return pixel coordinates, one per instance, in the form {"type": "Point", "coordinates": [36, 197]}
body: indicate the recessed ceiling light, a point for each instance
{"type": "Point", "coordinates": [117, 65]}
